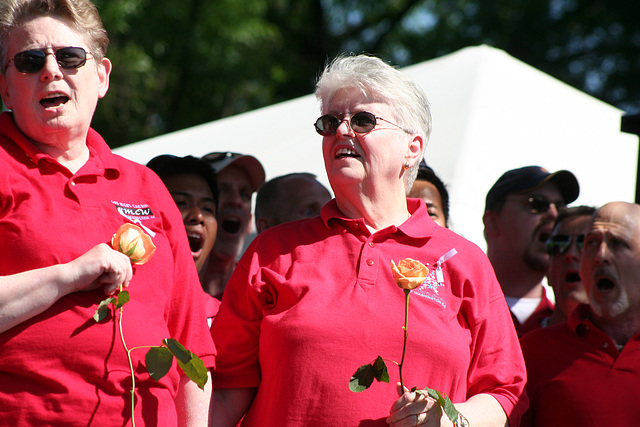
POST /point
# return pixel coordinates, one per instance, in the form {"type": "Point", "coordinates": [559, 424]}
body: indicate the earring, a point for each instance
{"type": "Point", "coordinates": [406, 165]}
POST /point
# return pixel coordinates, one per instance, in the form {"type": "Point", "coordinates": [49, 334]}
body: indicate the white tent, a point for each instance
{"type": "Point", "coordinates": [491, 113]}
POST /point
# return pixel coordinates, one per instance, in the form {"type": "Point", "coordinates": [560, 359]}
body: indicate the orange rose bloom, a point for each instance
{"type": "Point", "coordinates": [132, 241]}
{"type": "Point", "coordinates": [409, 273]}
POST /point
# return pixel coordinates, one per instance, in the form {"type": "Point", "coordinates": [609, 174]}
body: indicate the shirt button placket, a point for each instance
{"type": "Point", "coordinates": [369, 271]}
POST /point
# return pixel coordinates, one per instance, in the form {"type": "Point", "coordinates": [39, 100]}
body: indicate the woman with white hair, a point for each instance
{"type": "Point", "coordinates": [314, 299]}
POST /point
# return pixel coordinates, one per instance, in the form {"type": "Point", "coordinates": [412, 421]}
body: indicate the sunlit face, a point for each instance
{"type": "Point", "coordinates": [234, 210]}
{"type": "Point", "coordinates": [610, 265]}
{"type": "Point", "coordinates": [368, 161]}
{"type": "Point", "coordinates": [53, 105]}
{"type": "Point", "coordinates": [428, 192]}
{"type": "Point", "coordinates": [194, 198]}
{"type": "Point", "coordinates": [564, 269]}
{"type": "Point", "coordinates": [524, 232]}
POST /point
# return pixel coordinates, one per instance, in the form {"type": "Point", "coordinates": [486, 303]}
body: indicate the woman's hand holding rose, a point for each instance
{"type": "Point", "coordinates": [100, 266]}
{"type": "Point", "coordinates": [416, 409]}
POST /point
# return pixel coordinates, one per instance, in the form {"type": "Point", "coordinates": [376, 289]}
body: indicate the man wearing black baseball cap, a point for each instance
{"type": "Point", "coordinates": [520, 210]}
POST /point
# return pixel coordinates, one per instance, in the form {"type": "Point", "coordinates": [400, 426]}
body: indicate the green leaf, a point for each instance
{"type": "Point", "coordinates": [178, 350]}
{"type": "Point", "coordinates": [380, 370]}
{"type": "Point", "coordinates": [123, 298]}
{"type": "Point", "coordinates": [103, 309]}
{"type": "Point", "coordinates": [191, 365]}
{"type": "Point", "coordinates": [195, 370]}
{"type": "Point", "coordinates": [158, 361]}
{"type": "Point", "coordinates": [364, 376]}
{"type": "Point", "coordinates": [445, 403]}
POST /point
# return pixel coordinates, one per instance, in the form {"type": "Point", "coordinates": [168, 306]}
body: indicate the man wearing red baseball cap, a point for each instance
{"type": "Point", "coordinates": [239, 176]}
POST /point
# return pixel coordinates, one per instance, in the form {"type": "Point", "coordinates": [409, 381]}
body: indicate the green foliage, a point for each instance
{"type": "Point", "coordinates": [191, 365]}
{"type": "Point", "coordinates": [103, 311]}
{"type": "Point", "coordinates": [443, 400]}
{"type": "Point", "coordinates": [118, 301]}
{"type": "Point", "coordinates": [195, 370]}
{"type": "Point", "coordinates": [179, 63]}
{"type": "Point", "coordinates": [158, 361]}
{"type": "Point", "coordinates": [364, 376]}
{"type": "Point", "coordinates": [123, 298]}
{"type": "Point", "coordinates": [178, 350]}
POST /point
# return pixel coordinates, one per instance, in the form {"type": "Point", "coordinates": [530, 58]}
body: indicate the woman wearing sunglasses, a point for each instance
{"type": "Point", "coordinates": [63, 195]}
{"type": "Point", "coordinates": [313, 300]}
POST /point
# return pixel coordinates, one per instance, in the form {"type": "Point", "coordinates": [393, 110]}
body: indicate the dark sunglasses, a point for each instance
{"type": "Point", "coordinates": [560, 244]}
{"type": "Point", "coordinates": [361, 122]}
{"type": "Point", "coordinates": [32, 61]}
{"type": "Point", "coordinates": [539, 204]}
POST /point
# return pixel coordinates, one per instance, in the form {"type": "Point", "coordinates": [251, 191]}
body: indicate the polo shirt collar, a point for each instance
{"type": "Point", "coordinates": [11, 131]}
{"type": "Point", "coordinates": [100, 160]}
{"type": "Point", "coordinates": [101, 152]}
{"type": "Point", "coordinates": [579, 321]}
{"type": "Point", "coordinates": [419, 225]}
{"type": "Point", "coordinates": [580, 324]}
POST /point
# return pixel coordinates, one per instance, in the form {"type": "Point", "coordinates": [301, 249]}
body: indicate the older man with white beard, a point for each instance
{"type": "Point", "coordinates": [586, 371]}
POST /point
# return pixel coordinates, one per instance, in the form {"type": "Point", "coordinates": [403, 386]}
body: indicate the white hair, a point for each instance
{"type": "Point", "coordinates": [381, 83]}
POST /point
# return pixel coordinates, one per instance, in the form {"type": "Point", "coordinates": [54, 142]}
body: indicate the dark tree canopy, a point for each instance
{"type": "Point", "coordinates": [179, 63]}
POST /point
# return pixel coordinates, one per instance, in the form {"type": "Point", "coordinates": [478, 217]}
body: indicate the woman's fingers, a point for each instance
{"type": "Point", "coordinates": [407, 409]}
{"type": "Point", "coordinates": [413, 409]}
{"type": "Point", "coordinates": [101, 266]}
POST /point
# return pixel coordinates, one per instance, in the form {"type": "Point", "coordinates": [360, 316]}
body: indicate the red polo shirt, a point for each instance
{"type": "Point", "coordinates": [534, 321]}
{"type": "Point", "coordinates": [60, 367]}
{"type": "Point", "coordinates": [313, 300]}
{"type": "Point", "coordinates": [577, 376]}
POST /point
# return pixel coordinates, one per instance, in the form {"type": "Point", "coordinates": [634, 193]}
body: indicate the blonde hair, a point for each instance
{"type": "Point", "coordinates": [81, 14]}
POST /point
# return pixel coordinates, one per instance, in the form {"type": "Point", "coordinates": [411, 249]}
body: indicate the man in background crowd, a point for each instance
{"type": "Point", "coordinates": [586, 371]}
{"type": "Point", "coordinates": [239, 176]}
{"type": "Point", "coordinates": [193, 187]}
{"type": "Point", "coordinates": [430, 188]}
{"type": "Point", "coordinates": [563, 274]}
{"type": "Point", "coordinates": [520, 211]}
{"type": "Point", "coordinates": [288, 198]}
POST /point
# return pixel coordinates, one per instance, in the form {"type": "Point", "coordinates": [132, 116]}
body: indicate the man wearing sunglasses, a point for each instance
{"type": "Point", "coordinates": [520, 211]}
{"type": "Point", "coordinates": [564, 248]}
{"type": "Point", "coordinates": [586, 371]}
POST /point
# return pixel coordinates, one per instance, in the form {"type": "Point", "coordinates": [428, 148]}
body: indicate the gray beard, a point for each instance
{"type": "Point", "coordinates": [612, 309]}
